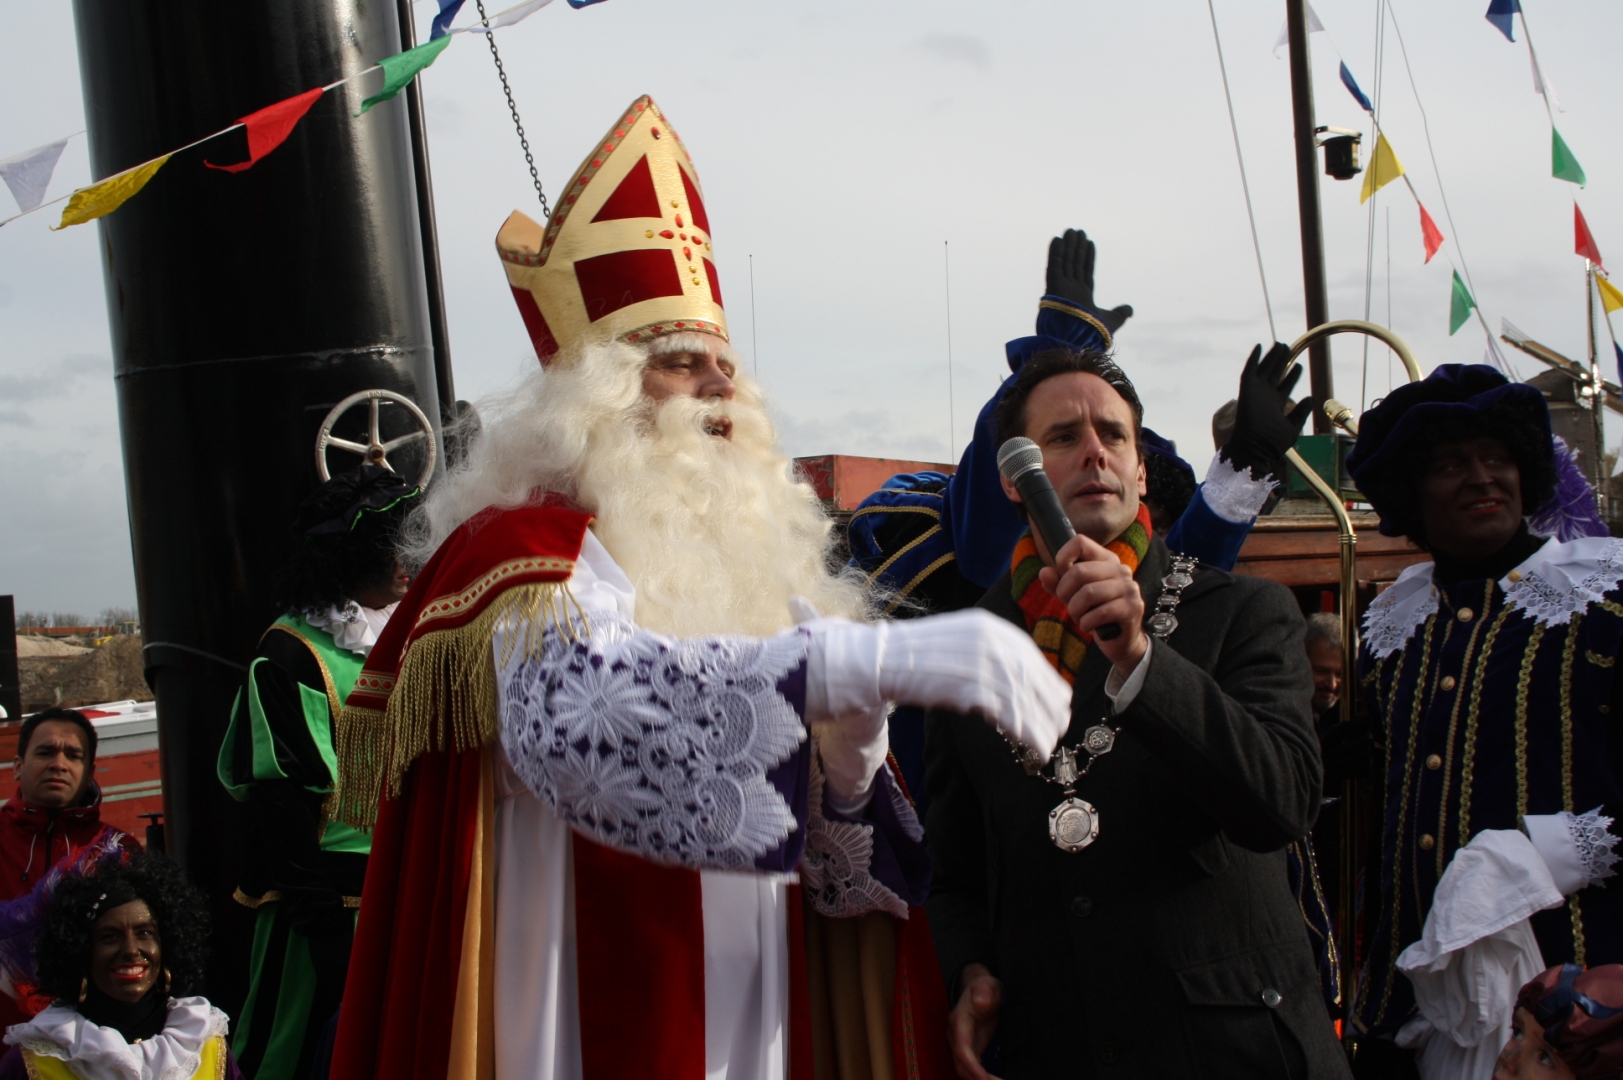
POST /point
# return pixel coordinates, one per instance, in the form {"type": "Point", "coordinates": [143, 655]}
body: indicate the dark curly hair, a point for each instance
{"type": "Point", "coordinates": [1169, 489]}
{"type": "Point", "coordinates": [1045, 365]}
{"type": "Point", "coordinates": [1397, 488]}
{"type": "Point", "coordinates": [63, 948]}
{"type": "Point", "coordinates": [328, 569]}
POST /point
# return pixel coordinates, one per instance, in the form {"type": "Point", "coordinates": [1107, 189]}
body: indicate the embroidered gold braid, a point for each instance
{"type": "Point", "coordinates": [907, 590]}
{"type": "Point", "coordinates": [1077, 313]}
{"type": "Point", "coordinates": [1523, 682]}
{"type": "Point", "coordinates": [1569, 656]}
{"type": "Point", "coordinates": [1598, 660]}
{"type": "Point", "coordinates": [1403, 805]}
{"type": "Point", "coordinates": [1468, 764]}
{"type": "Point", "coordinates": [1453, 729]}
{"type": "Point", "coordinates": [445, 695]}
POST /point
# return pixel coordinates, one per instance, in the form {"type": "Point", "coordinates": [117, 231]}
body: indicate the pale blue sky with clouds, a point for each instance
{"type": "Point", "coordinates": [841, 144]}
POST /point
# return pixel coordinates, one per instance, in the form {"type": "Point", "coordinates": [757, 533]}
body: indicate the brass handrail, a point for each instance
{"type": "Point", "coordinates": [1342, 417]}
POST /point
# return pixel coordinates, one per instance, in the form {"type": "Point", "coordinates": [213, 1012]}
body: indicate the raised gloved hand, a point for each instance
{"type": "Point", "coordinates": [1070, 275]}
{"type": "Point", "coordinates": [968, 661]}
{"type": "Point", "coordinates": [1263, 428]}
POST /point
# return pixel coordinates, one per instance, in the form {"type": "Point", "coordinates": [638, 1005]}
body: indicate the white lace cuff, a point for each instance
{"type": "Point", "coordinates": [836, 869]}
{"type": "Point", "coordinates": [1576, 847]}
{"type": "Point", "coordinates": [1232, 494]}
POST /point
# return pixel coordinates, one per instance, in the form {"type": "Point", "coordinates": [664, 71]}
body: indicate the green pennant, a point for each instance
{"type": "Point", "coordinates": [1563, 166]}
{"type": "Point", "coordinates": [399, 69]}
{"type": "Point", "coordinates": [1459, 308]}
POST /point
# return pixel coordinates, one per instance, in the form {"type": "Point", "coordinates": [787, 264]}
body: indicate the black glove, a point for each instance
{"type": "Point", "coordinates": [1070, 275]}
{"type": "Point", "coordinates": [1263, 429]}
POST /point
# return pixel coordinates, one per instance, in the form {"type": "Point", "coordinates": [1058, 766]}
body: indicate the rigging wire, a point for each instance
{"type": "Point", "coordinates": [1244, 184]}
{"type": "Point", "coordinates": [1425, 126]}
{"type": "Point", "coordinates": [1369, 234]}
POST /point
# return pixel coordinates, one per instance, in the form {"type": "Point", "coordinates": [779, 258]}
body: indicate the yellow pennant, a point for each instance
{"type": "Point", "coordinates": [1384, 167]}
{"type": "Point", "coordinates": [1610, 295]}
{"type": "Point", "coordinates": [96, 200]}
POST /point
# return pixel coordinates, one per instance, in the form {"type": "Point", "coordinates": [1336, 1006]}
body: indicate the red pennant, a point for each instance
{"type": "Point", "coordinates": [1429, 232]}
{"type": "Point", "coordinates": [1585, 242]}
{"type": "Point", "coordinates": [269, 128]}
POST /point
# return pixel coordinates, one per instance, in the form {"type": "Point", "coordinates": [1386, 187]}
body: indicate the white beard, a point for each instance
{"type": "Point", "coordinates": [715, 534]}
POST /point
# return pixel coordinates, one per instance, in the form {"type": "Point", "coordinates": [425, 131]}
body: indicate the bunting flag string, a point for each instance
{"type": "Point", "coordinates": [1351, 84]}
{"type": "Point", "coordinates": [1384, 167]}
{"type": "Point", "coordinates": [98, 200]}
{"type": "Point", "coordinates": [1584, 240]}
{"type": "Point", "coordinates": [1429, 232]}
{"type": "Point", "coordinates": [27, 175]}
{"type": "Point", "coordinates": [1611, 297]}
{"type": "Point", "coordinates": [269, 127]}
{"type": "Point", "coordinates": [1460, 306]}
{"type": "Point", "coordinates": [1563, 166]}
{"type": "Point", "coordinates": [1314, 26]}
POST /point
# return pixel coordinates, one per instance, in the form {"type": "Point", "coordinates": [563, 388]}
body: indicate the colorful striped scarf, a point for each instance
{"type": "Point", "coordinates": [1047, 620]}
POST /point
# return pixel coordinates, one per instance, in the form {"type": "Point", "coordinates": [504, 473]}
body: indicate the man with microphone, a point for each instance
{"type": "Point", "coordinates": [1120, 908]}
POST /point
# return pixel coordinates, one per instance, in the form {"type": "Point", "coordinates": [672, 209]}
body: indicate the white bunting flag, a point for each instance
{"type": "Point", "coordinates": [1541, 85]}
{"type": "Point", "coordinates": [512, 15]}
{"type": "Point", "coordinates": [28, 175]}
{"type": "Point", "coordinates": [1314, 26]}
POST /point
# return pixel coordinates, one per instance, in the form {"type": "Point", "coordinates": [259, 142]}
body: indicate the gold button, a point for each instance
{"type": "Point", "coordinates": [1448, 682]}
{"type": "Point", "coordinates": [1466, 614]}
{"type": "Point", "coordinates": [1434, 762]}
{"type": "Point", "coordinates": [1427, 842]}
{"type": "Point", "coordinates": [1514, 575]}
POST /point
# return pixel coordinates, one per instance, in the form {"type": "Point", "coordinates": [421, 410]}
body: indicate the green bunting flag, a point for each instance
{"type": "Point", "coordinates": [1459, 309]}
{"type": "Point", "coordinates": [399, 69]}
{"type": "Point", "coordinates": [1563, 166]}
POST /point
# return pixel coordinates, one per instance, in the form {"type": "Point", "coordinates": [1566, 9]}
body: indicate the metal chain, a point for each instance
{"type": "Point", "coordinates": [501, 73]}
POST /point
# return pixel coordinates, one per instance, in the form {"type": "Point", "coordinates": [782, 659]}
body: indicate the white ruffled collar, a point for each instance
{"type": "Point", "coordinates": [1550, 586]}
{"type": "Point", "coordinates": [101, 1053]}
{"type": "Point", "coordinates": [352, 626]}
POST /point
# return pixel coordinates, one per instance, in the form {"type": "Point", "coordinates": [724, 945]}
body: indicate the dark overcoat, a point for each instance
{"type": "Point", "coordinates": [1171, 947]}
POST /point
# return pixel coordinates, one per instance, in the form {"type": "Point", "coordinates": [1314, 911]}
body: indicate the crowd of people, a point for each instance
{"type": "Point", "coordinates": [587, 762]}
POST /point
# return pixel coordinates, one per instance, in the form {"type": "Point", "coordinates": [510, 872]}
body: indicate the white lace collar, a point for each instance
{"type": "Point", "coordinates": [1550, 586]}
{"type": "Point", "coordinates": [1561, 579]}
{"type": "Point", "coordinates": [100, 1053]}
{"type": "Point", "coordinates": [352, 626]}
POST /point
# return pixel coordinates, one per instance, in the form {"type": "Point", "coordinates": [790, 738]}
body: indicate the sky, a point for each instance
{"type": "Point", "coordinates": [883, 181]}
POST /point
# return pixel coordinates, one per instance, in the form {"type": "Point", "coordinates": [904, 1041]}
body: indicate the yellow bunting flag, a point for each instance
{"type": "Point", "coordinates": [1610, 295]}
{"type": "Point", "coordinates": [1384, 167]}
{"type": "Point", "coordinates": [96, 200]}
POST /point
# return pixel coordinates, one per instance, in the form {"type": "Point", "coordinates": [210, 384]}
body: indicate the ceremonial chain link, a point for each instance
{"type": "Point", "coordinates": [1100, 739]}
{"type": "Point", "coordinates": [501, 73]}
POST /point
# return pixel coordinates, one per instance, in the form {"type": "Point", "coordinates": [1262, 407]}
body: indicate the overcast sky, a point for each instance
{"type": "Point", "coordinates": [841, 144]}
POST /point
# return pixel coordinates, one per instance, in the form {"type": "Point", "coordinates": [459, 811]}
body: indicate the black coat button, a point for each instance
{"type": "Point", "coordinates": [1081, 907]}
{"type": "Point", "coordinates": [1108, 1054]}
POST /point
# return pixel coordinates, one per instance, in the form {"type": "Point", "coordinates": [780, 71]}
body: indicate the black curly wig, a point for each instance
{"type": "Point", "coordinates": [1397, 488]}
{"type": "Point", "coordinates": [328, 569]}
{"type": "Point", "coordinates": [62, 950]}
{"type": "Point", "coordinates": [1168, 490]}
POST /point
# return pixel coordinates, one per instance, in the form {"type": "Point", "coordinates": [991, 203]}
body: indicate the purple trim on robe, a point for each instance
{"type": "Point", "coordinates": [900, 863]}
{"type": "Point", "coordinates": [792, 778]}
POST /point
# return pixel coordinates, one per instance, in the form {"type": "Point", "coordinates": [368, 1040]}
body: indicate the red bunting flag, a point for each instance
{"type": "Point", "coordinates": [1429, 232]}
{"type": "Point", "coordinates": [269, 128]}
{"type": "Point", "coordinates": [1585, 242]}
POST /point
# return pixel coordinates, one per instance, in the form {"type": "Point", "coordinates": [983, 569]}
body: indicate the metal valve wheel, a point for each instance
{"type": "Point", "coordinates": [375, 451]}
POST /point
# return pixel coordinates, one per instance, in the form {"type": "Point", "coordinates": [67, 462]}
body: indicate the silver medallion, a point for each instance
{"type": "Point", "coordinates": [1098, 739]}
{"type": "Point", "coordinates": [1163, 623]}
{"type": "Point", "coordinates": [1065, 770]}
{"type": "Point", "coordinates": [1073, 825]}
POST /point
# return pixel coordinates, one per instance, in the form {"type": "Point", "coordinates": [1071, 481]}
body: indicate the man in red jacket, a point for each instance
{"type": "Point", "coordinates": [56, 811]}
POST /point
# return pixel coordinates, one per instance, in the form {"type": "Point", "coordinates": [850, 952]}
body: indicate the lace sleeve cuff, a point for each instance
{"type": "Point", "coordinates": [875, 862]}
{"type": "Point", "coordinates": [1578, 848]}
{"type": "Point", "coordinates": [1231, 493]}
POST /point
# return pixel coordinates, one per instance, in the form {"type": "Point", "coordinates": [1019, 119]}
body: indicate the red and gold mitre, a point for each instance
{"type": "Point", "coordinates": [627, 252]}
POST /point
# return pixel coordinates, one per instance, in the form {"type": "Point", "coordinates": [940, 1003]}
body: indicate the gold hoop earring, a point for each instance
{"type": "Point", "coordinates": [84, 989]}
{"type": "Point", "coordinates": [167, 979]}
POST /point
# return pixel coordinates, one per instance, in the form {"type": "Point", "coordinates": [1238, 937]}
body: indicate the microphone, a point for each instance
{"type": "Point", "coordinates": [1021, 463]}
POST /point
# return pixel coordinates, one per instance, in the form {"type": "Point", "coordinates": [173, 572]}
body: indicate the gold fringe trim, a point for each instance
{"type": "Point", "coordinates": [445, 695]}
